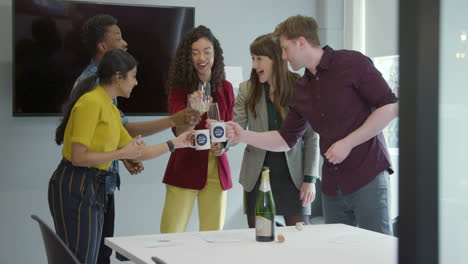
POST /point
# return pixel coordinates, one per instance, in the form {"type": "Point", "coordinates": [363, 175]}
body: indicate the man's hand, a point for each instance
{"type": "Point", "coordinates": [338, 152]}
{"type": "Point", "coordinates": [307, 194]}
{"type": "Point", "coordinates": [234, 131]}
{"type": "Point", "coordinates": [133, 167]}
{"type": "Point", "coordinates": [185, 117]}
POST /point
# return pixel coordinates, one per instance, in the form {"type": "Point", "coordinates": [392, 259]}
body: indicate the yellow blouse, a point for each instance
{"type": "Point", "coordinates": [95, 122]}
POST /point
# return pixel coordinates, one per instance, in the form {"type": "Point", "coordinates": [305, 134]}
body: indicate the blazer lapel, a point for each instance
{"type": "Point", "coordinates": [221, 103]}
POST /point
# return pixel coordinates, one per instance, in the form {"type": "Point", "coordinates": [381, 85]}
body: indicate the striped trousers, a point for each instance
{"type": "Point", "coordinates": [76, 202]}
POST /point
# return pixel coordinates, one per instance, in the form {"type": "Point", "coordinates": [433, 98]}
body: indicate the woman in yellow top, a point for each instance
{"type": "Point", "coordinates": [93, 136]}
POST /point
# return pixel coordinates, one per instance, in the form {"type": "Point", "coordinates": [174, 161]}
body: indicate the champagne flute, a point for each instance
{"type": "Point", "coordinates": [198, 103]}
{"type": "Point", "coordinates": [213, 112]}
{"type": "Point", "coordinates": [205, 88]}
{"type": "Point", "coordinates": [207, 91]}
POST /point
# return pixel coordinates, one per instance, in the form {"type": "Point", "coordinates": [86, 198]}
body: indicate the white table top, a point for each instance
{"type": "Point", "coordinates": [336, 243]}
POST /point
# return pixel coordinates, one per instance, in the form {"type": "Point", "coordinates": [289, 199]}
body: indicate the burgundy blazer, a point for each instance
{"type": "Point", "coordinates": [187, 167]}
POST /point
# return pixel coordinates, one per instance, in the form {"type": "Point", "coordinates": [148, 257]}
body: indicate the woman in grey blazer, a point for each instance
{"type": "Point", "coordinates": [261, 105]}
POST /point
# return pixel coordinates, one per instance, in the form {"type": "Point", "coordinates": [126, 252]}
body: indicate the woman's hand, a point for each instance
{"type": "Point", "coordinates": [199, 101]}
{"type": "Point", "coordinates": [133, 167]}
{"type": "Point", "coordinates": [194, 100]}
{"type": "Point", "coordinates": [184, 140]}
{"type": "Point", "coordinates": [217, 149]}
{"type": "Point", "coordinates": [307, 194]}
{"type": "Point", "coordinates": [133, 149]}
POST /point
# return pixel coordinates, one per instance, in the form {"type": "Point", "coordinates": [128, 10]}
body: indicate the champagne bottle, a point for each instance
{"type": "Point", "coordinates": [265, 210]}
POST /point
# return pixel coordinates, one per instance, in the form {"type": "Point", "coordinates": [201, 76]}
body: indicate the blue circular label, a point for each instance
{"type": "Point", "coordinates": [218, 132]}
{"type": "Point", "coordinates": [201, 139]}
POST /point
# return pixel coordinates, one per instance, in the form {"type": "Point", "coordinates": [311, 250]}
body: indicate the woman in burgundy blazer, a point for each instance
{"type": "Point", "coordinates": [202, 175]}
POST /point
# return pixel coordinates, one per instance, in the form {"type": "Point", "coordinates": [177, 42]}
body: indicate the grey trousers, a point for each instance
{"type": "Point", "coordinates": [367, 208]}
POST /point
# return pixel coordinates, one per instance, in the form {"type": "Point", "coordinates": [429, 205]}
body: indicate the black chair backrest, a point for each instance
{"type": "Point", "coordinates": [158, 260]}
{"type": "Point", "coordinates": [57, 251]}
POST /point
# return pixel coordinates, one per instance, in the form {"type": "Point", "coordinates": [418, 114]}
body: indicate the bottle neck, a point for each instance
{"type": "Point", "coordinates": [265, 182]}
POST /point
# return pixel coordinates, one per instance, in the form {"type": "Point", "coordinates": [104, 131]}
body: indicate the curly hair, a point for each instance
{"type": "Point", "coordinates": [94, 31]}
{"type": "Point", "coordinates": [182, 75]}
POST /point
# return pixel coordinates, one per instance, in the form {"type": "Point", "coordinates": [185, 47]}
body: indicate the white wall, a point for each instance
{"type": "Point", "coordinates": [381, 27]}
{"type": "Point", "coordinates": [371, 26]}
{"type": "Point", "coordinates": [28, 154]}
{"type": "Point", "coordinates": [330, 20]}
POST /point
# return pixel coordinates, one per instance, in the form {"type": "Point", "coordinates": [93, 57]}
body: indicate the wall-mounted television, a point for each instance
{"type": "Point", "coordinates": [49, 54]}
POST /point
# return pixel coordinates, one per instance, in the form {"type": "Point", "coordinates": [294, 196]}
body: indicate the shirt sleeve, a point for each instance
{"type": "Point", "coordinates": [371, 85]}
{"type": "Point", "coordinates": [177, 101]}
{"type": "Point", "coordinates": [84, 119]}
{"type": "Point", "coordinates": [124, 136]}
{"type": "Point", "coordinates": [310, 179]}
{"type": "Point", "coordinates": [293, 127]}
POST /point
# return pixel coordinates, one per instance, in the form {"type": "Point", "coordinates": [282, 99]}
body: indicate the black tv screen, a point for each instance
{"type": "Point", "coordinates": [49, 54]}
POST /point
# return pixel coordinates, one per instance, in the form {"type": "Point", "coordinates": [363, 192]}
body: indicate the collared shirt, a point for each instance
{"type": "Point", "coordinates": [336, 101]}
{"type": "Point", "coordinates": [95, 122]}
{"type": "Point", "coordinates": [92, 69]}
{"type": "Point", "coordinates": [275, 122]}
{"type": "Point", "coordinates": [274, 118]}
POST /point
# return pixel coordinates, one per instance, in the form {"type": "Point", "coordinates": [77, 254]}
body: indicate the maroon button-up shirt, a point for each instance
{"type": "Point", "coordinates": [336, 101]}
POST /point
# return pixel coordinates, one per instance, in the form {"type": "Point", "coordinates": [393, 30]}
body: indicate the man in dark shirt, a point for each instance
{"type": "Point", "coordinates": [347, 102]}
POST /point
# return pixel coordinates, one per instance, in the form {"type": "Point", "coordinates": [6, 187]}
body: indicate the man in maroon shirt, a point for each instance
{"type": "Point", "coordinates": [347, 102]}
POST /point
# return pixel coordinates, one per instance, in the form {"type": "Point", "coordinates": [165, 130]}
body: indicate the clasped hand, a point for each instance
{"type": "Point", "coordinates": [338, 152]}
{"type": "Point", "coordinates": [134, 148]}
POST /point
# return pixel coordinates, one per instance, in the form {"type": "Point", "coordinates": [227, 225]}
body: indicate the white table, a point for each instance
{"type": "Point", "coordinates": [329, 244]}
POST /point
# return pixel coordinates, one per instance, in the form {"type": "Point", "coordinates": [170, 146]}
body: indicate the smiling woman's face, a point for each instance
{"type": "Point", "coordinates": [263, 66]}
{"type": "Point", "coordinates": [202, 57]}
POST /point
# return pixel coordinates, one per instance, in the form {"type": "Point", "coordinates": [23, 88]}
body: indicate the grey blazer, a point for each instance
{"type": "Point", "coordinates": [302, 159]}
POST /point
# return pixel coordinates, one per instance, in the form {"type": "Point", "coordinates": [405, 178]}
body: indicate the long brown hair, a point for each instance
{"type": "Point", "coordinates": [282, 78]}
{"type": "Point", "coordinates": [182, 74]}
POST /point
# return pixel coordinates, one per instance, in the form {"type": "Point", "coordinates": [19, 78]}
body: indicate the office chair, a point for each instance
{"type": "Point", "coordinates": [158, 260]}
{"type": "Point", "coordinates": [57, 251]}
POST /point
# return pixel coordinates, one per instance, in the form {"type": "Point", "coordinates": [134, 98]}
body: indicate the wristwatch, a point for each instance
{"type": "Point", "coordinates": [170, 145]}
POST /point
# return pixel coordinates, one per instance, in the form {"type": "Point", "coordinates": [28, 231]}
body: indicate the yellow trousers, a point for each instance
{"type": "Point", "coordinates": [211, 204]}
